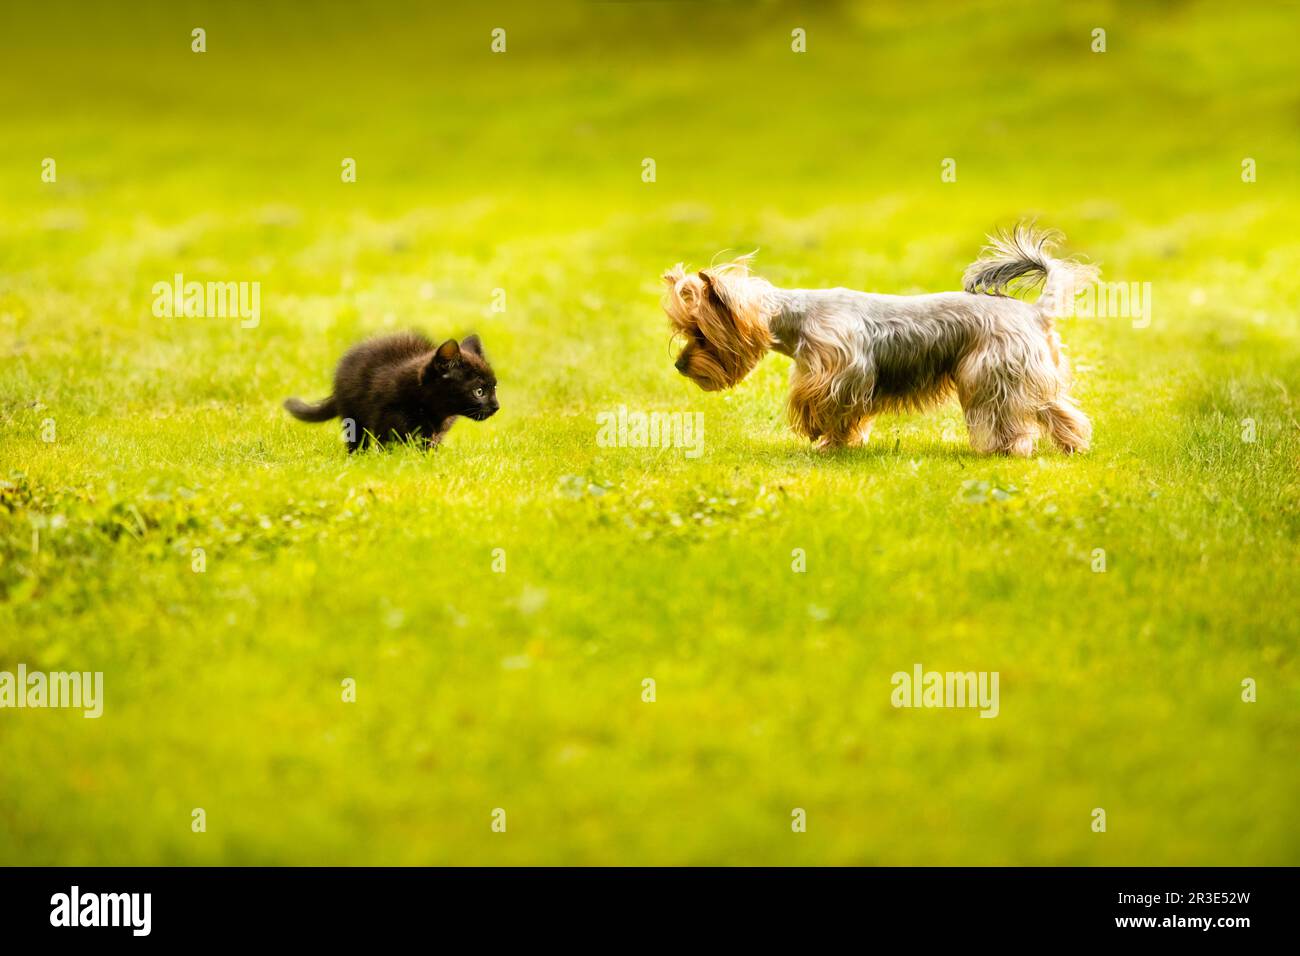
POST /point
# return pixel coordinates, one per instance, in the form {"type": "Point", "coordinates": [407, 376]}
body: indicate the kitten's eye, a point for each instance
{"type": "Point", "coordinates": [478, 393]}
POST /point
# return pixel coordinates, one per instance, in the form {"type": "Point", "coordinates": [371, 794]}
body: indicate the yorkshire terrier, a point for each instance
{"type": "Point", "coordinates": [857, 354]}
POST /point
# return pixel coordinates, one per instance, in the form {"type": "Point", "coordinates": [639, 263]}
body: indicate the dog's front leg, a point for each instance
{"type": "Point", "coordinates": [819, 414]}
{"type": "Point", "coordinates": [851, 432]}
{"type": "Point", "coordinates": [808, 404]}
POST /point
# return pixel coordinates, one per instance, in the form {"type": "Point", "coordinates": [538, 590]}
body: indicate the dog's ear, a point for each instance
{"type": "Point", "coordinates": [713, 290]}
{"type": "Point", "coordinates": [471, 344]}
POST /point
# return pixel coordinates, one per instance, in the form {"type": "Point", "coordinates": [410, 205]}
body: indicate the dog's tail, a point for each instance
{"type": "Point", "coordinates": [1021, 259]}
{"type": "Point", "coordinates": [322, 411]}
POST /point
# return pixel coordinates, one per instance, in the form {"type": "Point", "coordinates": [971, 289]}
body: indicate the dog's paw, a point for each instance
{"type": "Point", "coordinates": [1022, 446]}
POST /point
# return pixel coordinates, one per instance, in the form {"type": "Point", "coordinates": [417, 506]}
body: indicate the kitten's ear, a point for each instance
{"type": "Point", "coordinates": [448, 353]}
{"type": "Point", "coordinates": [471, 343]}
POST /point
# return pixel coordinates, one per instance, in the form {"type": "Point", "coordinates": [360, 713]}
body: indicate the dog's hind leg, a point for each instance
{"type": "Point", "coordinates": [1000, 416]}
{"type": "Point", "coordinates": [1000, 429]}
{"type": "Point", "coordinates": [1067, 424]}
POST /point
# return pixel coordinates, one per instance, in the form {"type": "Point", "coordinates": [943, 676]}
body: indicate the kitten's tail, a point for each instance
{"type": "Point", "coordinates": [322, 411]}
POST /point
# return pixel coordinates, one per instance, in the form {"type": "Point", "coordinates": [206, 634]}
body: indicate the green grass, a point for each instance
{"type": "Point", "coordinates": [522, 690]}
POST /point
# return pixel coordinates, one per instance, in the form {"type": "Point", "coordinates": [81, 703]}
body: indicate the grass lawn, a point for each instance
{"type": "Point", "coordinates": [499, 603]}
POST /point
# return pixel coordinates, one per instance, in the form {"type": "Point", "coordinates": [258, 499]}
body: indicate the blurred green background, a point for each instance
{"type": "Point", "coordinates": [522, 172]}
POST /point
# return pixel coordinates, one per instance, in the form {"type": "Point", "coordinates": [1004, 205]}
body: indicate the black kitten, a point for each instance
{"type": "Point", "coordinates": [400, 386]}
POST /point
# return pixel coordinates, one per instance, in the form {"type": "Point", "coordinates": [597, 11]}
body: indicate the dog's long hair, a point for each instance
{"type": "Point", "coordinates": [721, 321]}
{"type": "Point", "coordinates": [1017, 261]}
{"type": "Point", "coordinates": [858, 354]}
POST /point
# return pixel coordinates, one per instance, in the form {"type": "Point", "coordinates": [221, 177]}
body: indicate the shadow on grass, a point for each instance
{"type": "Point", "coordinates": [881, 452]}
